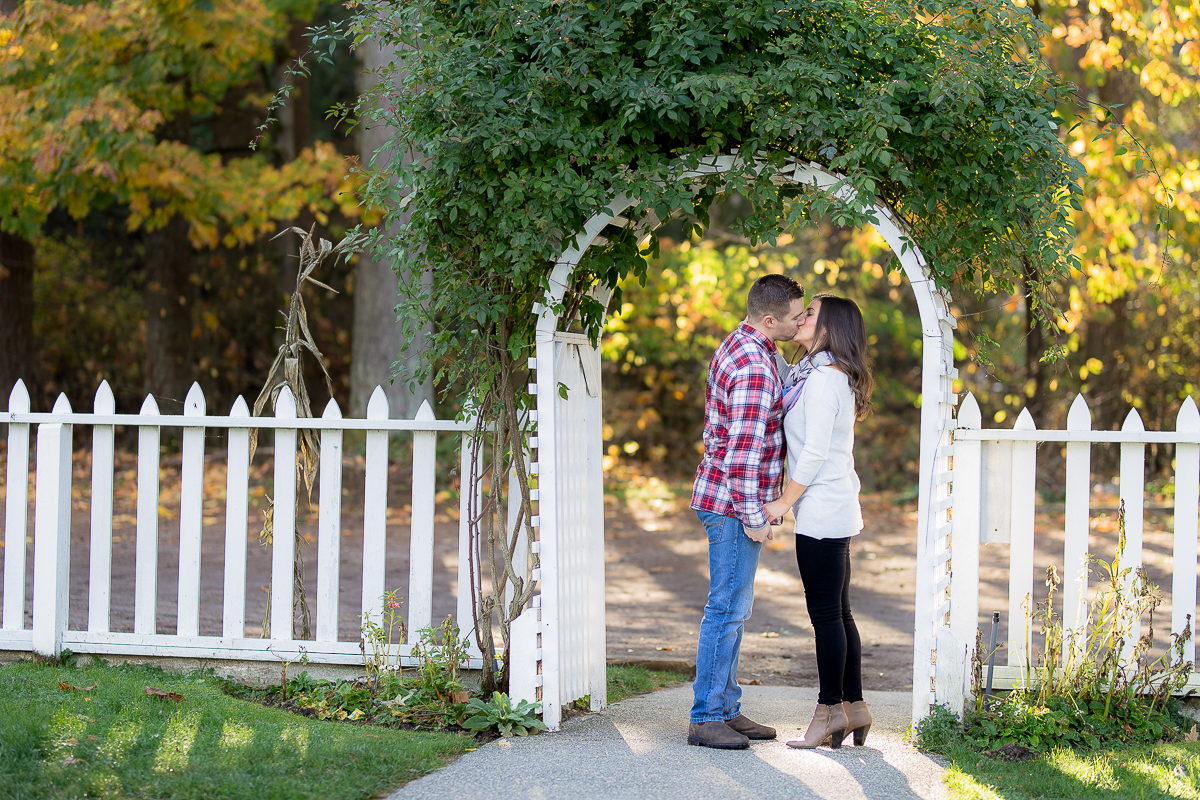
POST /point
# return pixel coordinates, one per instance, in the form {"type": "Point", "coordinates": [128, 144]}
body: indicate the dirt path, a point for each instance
{"type": "Point", "coordinates": [657, 579]}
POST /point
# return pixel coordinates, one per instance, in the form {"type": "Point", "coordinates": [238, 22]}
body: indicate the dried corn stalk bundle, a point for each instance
{"type": "Point", "coordinates": [287, 370]}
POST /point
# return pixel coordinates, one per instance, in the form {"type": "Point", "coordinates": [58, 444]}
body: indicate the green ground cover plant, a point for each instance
{"type": "Point", "coordinates": [96, 731]}
{"type": "Point", "coordinates": [628, 681]}
{"type": "Point", "coordinates": [500, 714]}
{"type": "Point", "coordinates": [430, 695]}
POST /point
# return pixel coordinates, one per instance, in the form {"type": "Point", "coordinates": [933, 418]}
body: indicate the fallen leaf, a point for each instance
{"type": "Point", "coordinates": [69, 760]}
{"type": "Point", "coordinates": [753, 682]}
{"type": "Point", "coordinates": [664, 648]}
{"type": "Point", "coordinates": [461, 697]}
{"type": "Point", "coordinates": [72, 740]}
{"type": "Point", "coordinates": [1191, 735]}
{"type": "Point", "coordinates": [66, 687]}
{"type": "Point", "coordinates": [769, 634]}
{"type": "Point", "coordinates": [152, 692]}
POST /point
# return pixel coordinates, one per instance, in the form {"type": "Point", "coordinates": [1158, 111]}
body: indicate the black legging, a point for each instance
{"type": "Point", "coordinates": [825, 570]}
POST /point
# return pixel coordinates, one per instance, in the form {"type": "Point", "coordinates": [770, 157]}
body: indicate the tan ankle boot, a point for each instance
{"type": "Point", "coordinates": [858, 721]}
{"type": "Point", "coordinates": [828, 725]}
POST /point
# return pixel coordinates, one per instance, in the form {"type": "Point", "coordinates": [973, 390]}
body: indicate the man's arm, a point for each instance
{"type": "Point", "coordinates": [751, 397]}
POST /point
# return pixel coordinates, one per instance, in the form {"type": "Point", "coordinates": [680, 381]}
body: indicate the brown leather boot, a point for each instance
{"type": "Point", "coordinates": [749, 728]}
{"type": "Point", "coordinates": [858, 721]}
{"type": "Point", "coordinates": [717, 735]}
{"type": "Point", "coordinates": [828, 725]}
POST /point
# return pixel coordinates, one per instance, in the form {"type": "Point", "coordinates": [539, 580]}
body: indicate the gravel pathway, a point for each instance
{"type": "Point", "coordinates": [638, 749]}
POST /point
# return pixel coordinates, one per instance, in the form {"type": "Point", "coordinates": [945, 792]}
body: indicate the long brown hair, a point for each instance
{"type": "Point", "coordinates": [842, 333]}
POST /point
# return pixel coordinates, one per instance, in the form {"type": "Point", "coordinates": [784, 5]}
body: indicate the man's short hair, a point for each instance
{"type": "Point", "coordinates": [772, 295]}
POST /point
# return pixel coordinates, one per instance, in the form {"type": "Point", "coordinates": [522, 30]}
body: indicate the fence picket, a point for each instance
{"type": "Point", "coordinates": [283, 523]}
{"type": "Point", "coordinates": [1075, 538]}
{"type": "Point", "coordinates": [375, 508]}
{"type": "Point", "coordinates": [100, 572]}
{"type": "Point", "coordinates": [1133, 486]}
{"type": "Point", "coordinates": [1020, 557]}
{"type": "Point", "coordinates": [466, 562]}
{"type": "Point", "coordinates": [52, 533]}
{"type": "Point", "coordinates": [420, 541]}
{"type": "Point", "coordinates": [964, 564]}
{"type": "Point", "coordinates": [329, 528]}
{"type": "Point", "coordinates": [237, 490]}
{"type": "Point", "coordinates": [191, 516]}
{"type": "Point", "coordinates": [145, 589]}
{"type": "Point", "coordinates": [16, 511]}
{"type": "Point", "coordinates": [1187, 501]}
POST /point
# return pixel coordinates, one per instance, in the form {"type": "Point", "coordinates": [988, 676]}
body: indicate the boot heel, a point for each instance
{"type": "Point", "coordinates": [860, 735]}
{"type": "Point", "coordinates": [835, 739]}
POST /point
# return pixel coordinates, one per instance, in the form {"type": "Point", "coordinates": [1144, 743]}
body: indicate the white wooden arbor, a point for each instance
{"type": "Point", "coordinates": [564, 627]}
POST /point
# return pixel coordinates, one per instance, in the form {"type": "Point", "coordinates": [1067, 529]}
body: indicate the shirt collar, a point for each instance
{"type": "Point", "coordinates": [746, 330]}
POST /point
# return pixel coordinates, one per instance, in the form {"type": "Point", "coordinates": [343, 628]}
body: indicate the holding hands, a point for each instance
{"type": "Point", "coordinates": [776, 509]}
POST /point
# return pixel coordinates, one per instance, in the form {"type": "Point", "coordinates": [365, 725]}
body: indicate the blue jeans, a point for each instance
{"type": "Point", "coordinates": [732, 562]}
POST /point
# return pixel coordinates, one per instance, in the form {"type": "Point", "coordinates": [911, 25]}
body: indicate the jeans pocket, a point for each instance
{"type": "Point", "coordinates": [715, 530]}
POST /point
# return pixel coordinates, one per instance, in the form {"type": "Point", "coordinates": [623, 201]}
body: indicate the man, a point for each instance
{"type": "Point", "coordinates": [743, 462]}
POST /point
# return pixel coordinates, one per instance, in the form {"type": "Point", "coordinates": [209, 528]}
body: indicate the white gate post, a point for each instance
{"type": "Point", "coordinates": [968, 485]}
{"type": "Point", "coordinates": [52, 533]}
{"type": "Point", "coordinates": [547, 516]}
{"type": "Point", "coordinates": [597, 668]}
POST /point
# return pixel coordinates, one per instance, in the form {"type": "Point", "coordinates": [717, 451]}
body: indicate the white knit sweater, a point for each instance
{"type": "Point", "coordinates": [820, 446]}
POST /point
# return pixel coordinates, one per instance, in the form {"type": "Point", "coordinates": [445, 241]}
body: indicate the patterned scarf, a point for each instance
{"type": "Point", "coordinates": [793, 384]}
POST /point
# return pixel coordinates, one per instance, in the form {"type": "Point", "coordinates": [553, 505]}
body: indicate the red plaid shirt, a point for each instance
{"type": "Point", "coordinates": [743, 430]}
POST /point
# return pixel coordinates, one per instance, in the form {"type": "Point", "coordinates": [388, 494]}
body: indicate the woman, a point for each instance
{"type": "Point", "coordinates": [824, 394]}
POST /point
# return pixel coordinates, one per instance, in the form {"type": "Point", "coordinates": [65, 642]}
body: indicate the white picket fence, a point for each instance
{"type": "Point", "coordinates": [994, 488]}
{"type": "Point", "coordinates": [49, 634]}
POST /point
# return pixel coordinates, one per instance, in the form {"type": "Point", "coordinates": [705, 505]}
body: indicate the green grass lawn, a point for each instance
{"type": "Point", "coordinates": [113, 741]}
{"type": "Point", "coordinates": [1133, 773]}
{"type": "Point", "coordinates": [629, 681]}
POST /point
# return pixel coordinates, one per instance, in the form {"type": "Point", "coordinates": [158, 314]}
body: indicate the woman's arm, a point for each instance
{"type": "Point", "coordinates": [791, 495]}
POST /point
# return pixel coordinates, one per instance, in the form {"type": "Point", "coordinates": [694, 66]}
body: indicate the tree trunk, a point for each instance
{"type": "Point", "coordinates": [168, 313]}
{"type": "Point", "coordinates": [377, 336]}
{"type": "Point", "coordinates": [16, 296]}
{"type": "Point", "coordinates": [1035, 345]}
{"type": "Point", "coordinates": [294, 135]}
{"type": "Point", "coordinates": [16, 312]}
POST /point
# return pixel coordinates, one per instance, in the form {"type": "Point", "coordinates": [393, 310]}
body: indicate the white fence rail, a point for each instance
{"type": "Point", "coordinates": [994, 485]}
{"type": "Point", "coordinates": [50, 634]}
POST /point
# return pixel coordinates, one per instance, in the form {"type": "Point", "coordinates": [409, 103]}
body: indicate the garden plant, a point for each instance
{"type": "Point", "coordinates": [1088, 690]}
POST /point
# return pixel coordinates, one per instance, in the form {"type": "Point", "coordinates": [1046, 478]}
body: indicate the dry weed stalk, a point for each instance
{"type": "Point", "coordinates": [288, 370]}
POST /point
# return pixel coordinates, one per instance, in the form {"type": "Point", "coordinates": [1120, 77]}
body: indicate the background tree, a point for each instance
{"type": "Point", "coordinates": [1131, 331]}
{"type": "Point", "coordinates": [379, 338]}
{"type": "Point", "coordinates": [145, 108]}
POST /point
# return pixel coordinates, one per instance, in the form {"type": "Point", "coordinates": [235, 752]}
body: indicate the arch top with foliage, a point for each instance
{"type": "Point", "coordinates": [560, 531]}
{"type": "Point", "coordinates": [530, 116]}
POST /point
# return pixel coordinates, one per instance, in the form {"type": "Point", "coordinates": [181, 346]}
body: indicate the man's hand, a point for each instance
{"type": "Point", "coordinates": [759, 535]}
{"type": "Point", "coordinates": [776, 509]}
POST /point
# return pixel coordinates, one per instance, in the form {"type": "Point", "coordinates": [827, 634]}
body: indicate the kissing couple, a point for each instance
{"type": "Point", "coordinates": [757, 408]}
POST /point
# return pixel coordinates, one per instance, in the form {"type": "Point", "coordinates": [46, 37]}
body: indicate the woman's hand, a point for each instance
{"type": "Point", "coordinates": [776, 509]}
{"type": "Point", "coordinates": [780, 505]}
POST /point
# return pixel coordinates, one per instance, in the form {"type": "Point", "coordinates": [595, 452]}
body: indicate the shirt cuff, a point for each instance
{"type": "Point", "coordinates": [755, 518]}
